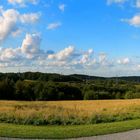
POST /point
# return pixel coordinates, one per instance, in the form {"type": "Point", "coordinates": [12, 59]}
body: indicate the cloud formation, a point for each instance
{"type": "Point", "coordinates": [30, 48]}
{"type": "Point", "coordinates": [63, 54]}
{"type": "Point", "coordinates": [10, 20]}
{"type": "Point", "coordinates": [31, 45]}
{"type": "Point", "coordinates": [54, 25]}
{"type": "Point", "coordinates": [62, 7]}
{"type": "Point", "coordinates": [28, 53]}
{"type": "Point", "coordinates": [123, 61]}
{"type": "Point", "coordinates": [29, 18]}
{"type": "Point", "coordinates": [134, 21]}
{"type": "Point", "coordinates": [22, 3]}
{"type": "Point", "coordinates": [115, 1]}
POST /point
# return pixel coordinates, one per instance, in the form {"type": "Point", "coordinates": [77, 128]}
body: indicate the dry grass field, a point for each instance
{"type": "Point", "coordinates": [68, 112]}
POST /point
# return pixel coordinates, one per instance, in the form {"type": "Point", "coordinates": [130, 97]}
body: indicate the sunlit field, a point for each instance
{"type": "Point", "coordinates": [68, 112]}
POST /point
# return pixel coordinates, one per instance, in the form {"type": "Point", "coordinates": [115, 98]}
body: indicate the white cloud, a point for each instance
{"type": "Point", "coordinates": [86, 56]}
{"type": "Point", "coordinates": [9, 54]}
{"type": "Point", "coordinates": [134, 21]}
{"type": "Point", "coordinates": [123, 61]}
{"type": "Point", "coordinates": [17, 32]}
{"type": "Point", "coordinates": [56, 63]}
{"type": "Point", "coordinates": [132, 3]}
{"type": "Point", "coordinates": [63, 54]}
{"type": "Point", "coordinates": [22, 3]}
{"type": "Point", "coordinates": [138, 67]}
{"type": "Point", "coordinates": [115, 1]}
{"type": "Point", "coordinates": [29, 55]}
{"type": "Point", "coordinates": [30, 48]}
{"type": "Point", "coordinates": [54, 25]}
{"type": "Point", "coordinates": [85, 59]}
{"type": "Point", "coordinates": [31, 45]}
{"type": "Point", "coordinates": [29, 18]}
{"type": "Point", "coordinates": [62, 7]}
{"type": "Point", "coordinates": [102, 57]}
{"type": "Point", "coordinates": [90, 51]}
{"type": "Point", "coordinates": [26, 55]}
{"type": "Point", "coordinates": [33, 1]}
{"type": "Point", "coordinates": [66, 60]}
{"type": "Point", "coordinates": [9, 20]}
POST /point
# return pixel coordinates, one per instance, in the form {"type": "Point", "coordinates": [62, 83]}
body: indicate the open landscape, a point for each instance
{"type": "Point", "coordinates": [68, 112]}
{"type": "Point", "coordinates": [67, 119]}
{"type": "Point", "coordinates": [69, 68]}
{"type": "Point", "coordinates": [59, 106]}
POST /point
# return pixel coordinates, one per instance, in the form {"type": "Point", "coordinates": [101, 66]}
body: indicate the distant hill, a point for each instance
{"type": "Point", "coordinates": [62, 78]}
{"type": "Point", "coordinates": [87, 77]}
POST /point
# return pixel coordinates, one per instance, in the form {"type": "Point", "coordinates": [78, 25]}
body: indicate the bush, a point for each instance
{"type": "Point", "coordinates": [129, 95]}
{"type": "Point", "coordinates": [90, 95]}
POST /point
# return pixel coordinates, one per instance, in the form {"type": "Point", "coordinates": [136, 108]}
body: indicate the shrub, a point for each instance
{"type": "Point", "coordinates": [90, 95]}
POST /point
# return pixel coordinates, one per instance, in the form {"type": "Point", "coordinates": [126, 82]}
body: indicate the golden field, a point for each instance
{"type": "Point", "coordinates": [68, 112]}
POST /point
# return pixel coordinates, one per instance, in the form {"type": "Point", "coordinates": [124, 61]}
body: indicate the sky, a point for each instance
{"type": "Point", "coordinates": [94, 37]}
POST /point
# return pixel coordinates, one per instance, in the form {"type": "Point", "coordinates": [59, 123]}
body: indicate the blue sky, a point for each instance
{"type": "Point", "coordinates": [96, 37]}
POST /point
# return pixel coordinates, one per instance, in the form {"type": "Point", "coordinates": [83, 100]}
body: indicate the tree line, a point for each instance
{"type": "Point", "coordinates": [31, 87]}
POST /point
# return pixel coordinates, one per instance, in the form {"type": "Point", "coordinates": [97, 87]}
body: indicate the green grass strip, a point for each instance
{"type": "Point", "coordinates": [61, 132]}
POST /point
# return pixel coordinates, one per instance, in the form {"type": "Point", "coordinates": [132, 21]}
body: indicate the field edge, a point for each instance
{"type": "Point", "coordinates": [62, 132]}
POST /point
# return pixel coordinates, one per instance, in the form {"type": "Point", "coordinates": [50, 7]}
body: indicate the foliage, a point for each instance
{"type": "Point", "coordinates": [46, 87]}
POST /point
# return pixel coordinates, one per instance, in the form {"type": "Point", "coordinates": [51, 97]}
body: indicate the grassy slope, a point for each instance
{"type": "Point", "coordinates": [27, 131]}
{"type": "Point", "coordinates": [69, 112]}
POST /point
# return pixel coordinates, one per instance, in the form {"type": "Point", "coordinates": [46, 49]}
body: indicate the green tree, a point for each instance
{"type": "Point", "coordinates": [90, 95]}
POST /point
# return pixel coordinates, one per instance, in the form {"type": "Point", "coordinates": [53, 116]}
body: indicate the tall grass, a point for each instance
{"type": "Point", "coordinates": [68, 112]}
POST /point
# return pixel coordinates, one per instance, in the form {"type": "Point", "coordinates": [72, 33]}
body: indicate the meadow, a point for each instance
{"type": "Point", "coordinates": [68, 131]}
{"type": "Point", "coordinates": [68, 112]}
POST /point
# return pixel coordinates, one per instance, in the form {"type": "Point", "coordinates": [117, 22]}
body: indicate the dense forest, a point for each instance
{"type": "Point", "coordinates": [45, 87]}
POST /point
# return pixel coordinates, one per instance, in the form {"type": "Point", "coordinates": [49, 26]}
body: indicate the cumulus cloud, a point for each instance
{"type": "Point", "coordinates": [134, 21]}
{"type": "Point", "coordinates": [102, 57]}
{"type": "Point", "coordinates": [31, 45]}
{"type": "Point", "coordinates": [69, 59]}
{"type": "Point", "coordinates": [123, 61]}
{"type": "Point", "coordinates": [63, 54]}
{"type": "Point", "coordinates": [30, 48]}
{"type": "Point", "coordinates": [29, 18]}
{"type": "Point", "coordinates": [22, 3]}
{"type": "Point", "coordinates": [62, 7]}
{"type": "Point", "coordinates": [30, 54]}
{"type": "Point", "coordinates": [26, 55]}
{"type": "Point", "coordinates": [85, 59]}
{"type": "Point", "coordinates": [9, 20]}
{"type": "Point", "coordinates": [16, 1]}
{"type": "Point", "coordinates": [54, 25]}
{"type": "Point", "coordinates": [8, 54]}
{"type": "Point", "coordinates": [86, 56]}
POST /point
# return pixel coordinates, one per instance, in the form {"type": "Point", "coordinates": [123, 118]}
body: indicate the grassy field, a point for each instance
{"type": "Point", "coordinates": [61, 132]}
{"type": "Point", "coordinates": [68, 112]}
